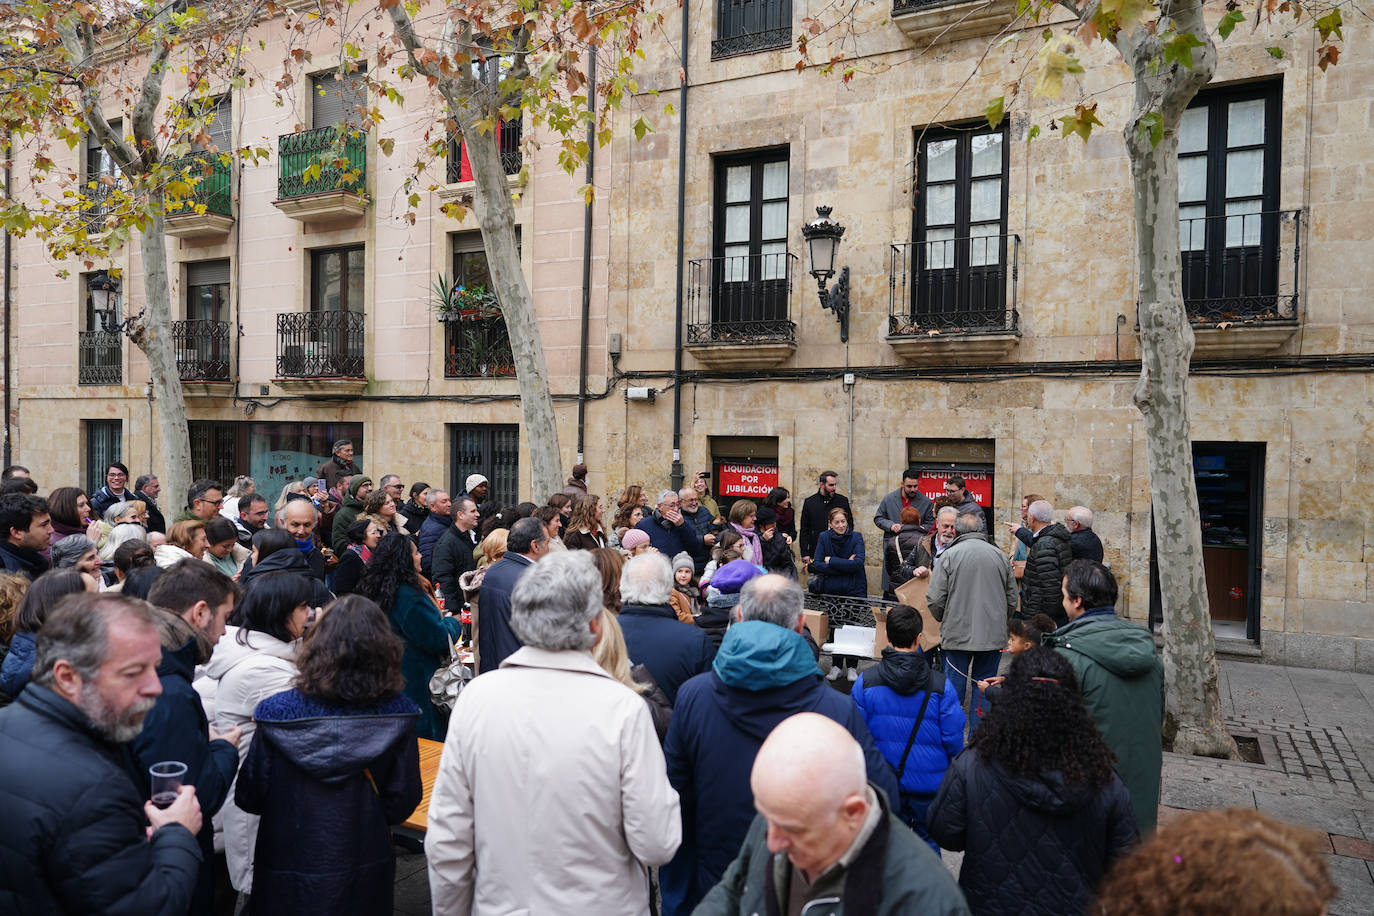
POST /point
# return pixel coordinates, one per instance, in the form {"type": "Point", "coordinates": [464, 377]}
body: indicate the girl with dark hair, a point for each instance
{"type": "Point", "coordinates": [254, 659]}
{"type": "Point", "coordinates": [363, 535]}
{"type": "Point", "coordinates": [393, 580]}
{"type": "Point", "coordinates": [1034, 801]}
{"type": "Point", "coordinates": [333, 765]}
{"type": "Point", "coordinates": [71, 513]}
{"type": "Point", "coordinates": [275, 550]}
{"type": "Point", "coordinates": [780, 501]}
{"type": "Point", "coordinates": [139, 582]}
{"type": "Point", "coordinates": [222, 549]}
{"type": "Point", "coordinates": [39, 600]}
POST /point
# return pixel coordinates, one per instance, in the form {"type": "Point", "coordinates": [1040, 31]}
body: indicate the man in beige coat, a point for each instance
{"type": "Point", "coordinates": [552, 795]}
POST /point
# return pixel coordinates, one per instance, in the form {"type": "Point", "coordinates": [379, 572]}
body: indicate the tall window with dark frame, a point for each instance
{"type": "Point", "coordinates": [476, 342]}
{"type": "Point", "coordinates": [101, 177]}
{"type": "Point", "coordinates": [959, 259]}
{"type": "Point", "coordinates": [750, 269]}
{"type": "Point", "coordinates": [104, 446]}
{"type": "Point", "coordinates": [202, 339]}
{"type": "Point", "coordinates": [1228, 192]}
{"type": "Point", "coordinates": [488, 72]}
{"type": "Point", "coordinates": [100, 345]}
{"type": "Point", "coordinates": [746, 26]}
{"type": "Point", "coordinates": [327, 341]}
{"type": "Point", "coordinates": [490, 450]}
{"type": "Point", "coordinates": [336, 279]}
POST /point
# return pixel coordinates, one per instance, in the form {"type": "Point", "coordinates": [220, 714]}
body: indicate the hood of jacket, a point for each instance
{"type": "Point", "coordinates": [904, 672]}
{"type": "Point", "coordinates": [229, 652]}
{"type": "Point", "coordinates": [332, 743]}
{"type": "Point", "coordinates": [1055, 530]}
{"type": "Point", "coordinates": [757, 655]}
{"type": "Point", "coordinates": [1046, 792]}
{"type": "Point", "coordinates": [288, 559]}
{"type": "Point", "coordinates": [1125, 649]}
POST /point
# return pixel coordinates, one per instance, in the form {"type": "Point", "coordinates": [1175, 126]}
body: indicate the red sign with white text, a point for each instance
{"type": "Point", "coordinates": [978, 483]}
{"type": "Point", "coordinates": [753, 481]}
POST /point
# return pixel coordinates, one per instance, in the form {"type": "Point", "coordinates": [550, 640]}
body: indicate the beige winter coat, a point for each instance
{"type": "Point", "coordinates": [552, 795]}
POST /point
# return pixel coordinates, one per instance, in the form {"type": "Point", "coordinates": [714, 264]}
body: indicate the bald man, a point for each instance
{"type": "Point", "coordinates": [824, 833]}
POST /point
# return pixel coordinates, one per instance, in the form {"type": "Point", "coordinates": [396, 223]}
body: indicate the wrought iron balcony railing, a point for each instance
{"type": "Point", "coordinates": [101, 358]}
{"type": "Point", "coordinates": [512, 158]}
{"type": "Point", "coordinates": [954, 286]}
{"type": "Point", "coordinates": [740, 299]}
{"type": "Point", "coordinates": [320, 160]}
{"type": "Point", "coordinates": [210, 172]}
{"type": "Point", "coordinates": [755, 25]}
{"type": "Point", "coordinates": [477, 347]}
{"type": "Point", "coordinates": [1241, 267]}
{"type": "Point", "coordinates": [202, 348]}
{"type": "Point", "coordinates": [320, 345]}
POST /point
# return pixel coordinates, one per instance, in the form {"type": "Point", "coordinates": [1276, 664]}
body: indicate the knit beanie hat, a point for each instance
{"type": "Point", "coordinates": [684, 561]}
{"type": "Point", "coordinates": [473, 481]}
{"type": "Point", "coordinates": [357, 482]}
{"type": "Point", "coordinates": [765, 516]}
{"type": "Point", "coordinates": [731, 577]}
{"type": "Point", "coordinates": [634, 538]}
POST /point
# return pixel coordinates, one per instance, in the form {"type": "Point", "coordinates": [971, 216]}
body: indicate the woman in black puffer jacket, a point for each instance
{"type": "Point", "coordinates": [1033, 801]}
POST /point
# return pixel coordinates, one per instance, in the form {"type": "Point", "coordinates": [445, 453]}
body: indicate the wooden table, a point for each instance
{"type": "Point", "coordinates": [418, 822]}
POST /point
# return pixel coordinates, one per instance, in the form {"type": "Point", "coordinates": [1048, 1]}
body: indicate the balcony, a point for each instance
{"type": "Point", "coordinates": [458, 170]}
{"type": "Point", "coordinates": [1240, 281]}
{"type": "Point", "coordinates": [100, 358]}
{"type": "Point", "coordinates": [926, 21]}
{"type": "Point", "coordinates": [321, 352]}
{"type": "Point", "coordinates": [745, 28]}
{"type": "Point", "coordinates": [477, 347]}
{"type": "Point", "coordinates": [738, 310]}
{"type": "Point", "coordinates": [322, 174]}
{"type": "Point", "coordinates": [203, 354]}
{"type": "Point", "coordinates": [949, 299]}
{"type": "Point", "coordinates": [206, 212]}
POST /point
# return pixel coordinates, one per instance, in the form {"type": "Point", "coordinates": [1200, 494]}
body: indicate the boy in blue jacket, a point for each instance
{"type": "Point", "coordinates": [915, 717]}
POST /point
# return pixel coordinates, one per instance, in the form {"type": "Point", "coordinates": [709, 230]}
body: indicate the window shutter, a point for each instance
{"type": "Point", "coordinates": [207, 273]}
{"type": "Point", "coordinates": [221, 129]}
{"type": "Point", "coordinates": [336, 99]}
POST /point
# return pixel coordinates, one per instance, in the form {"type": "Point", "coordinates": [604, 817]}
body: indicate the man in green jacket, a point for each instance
{"type": "Point", "coordinates": [1122, 680]}
{"type": "Point", "coordinates": [359, 488]}
{"type": "Point", "coordinates": [825, 841]}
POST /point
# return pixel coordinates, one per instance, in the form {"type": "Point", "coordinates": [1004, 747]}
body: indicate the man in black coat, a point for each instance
{"type": "Point", "coordinates": [439, 521]}
{"type": "Point", "coordinates": [25, 531]}
{"type": "Point", "coordinates": [1049, 556]}
{"type": "Point", "coordinates": [252, 518]}
{"type": "Point", "coordinates": [147, 488]}
{"type": "Point", "coordinates": [453, 555]}
{"type": "Point", "coordinates": [76, 836]}
{"type": "Point", "coordinates": [815, 512]}
{"type": "Point", "coordinates": [1084, 544]}
{"type": "Point", "coordinates": [654, 637]}
{"type": "Point", "coordinates": [339, 464]}
{"type": "Point", "coordinates": [526, 543]}
{"type": "Point", "coordinates": [176, 727]}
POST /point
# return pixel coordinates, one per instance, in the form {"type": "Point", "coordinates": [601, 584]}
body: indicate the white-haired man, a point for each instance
{"type": "Point", "coordinates": [824, 834]}
{"type": "Point", "coordinates": [669, 532]}
{"type": "Point", "coordinates": [1050, 554]}
{"type": "Point", "coordinates": [1083, 541]}
{"type": "Point", "coordinates": [654, 637]}
{"type": "Point", "coordinates": [574, 804]}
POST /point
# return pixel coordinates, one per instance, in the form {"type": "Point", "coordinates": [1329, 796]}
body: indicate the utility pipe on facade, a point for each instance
{"type": "Point", "coordinates": [9, 267]}
{"type": "Point", "coordinates": [587, 260]}
{"type": "Point", "coordinates": [677, 475]}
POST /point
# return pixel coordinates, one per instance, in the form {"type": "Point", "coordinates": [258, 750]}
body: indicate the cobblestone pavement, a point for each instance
{"type": "Point", "coordinates": [1314, 730]}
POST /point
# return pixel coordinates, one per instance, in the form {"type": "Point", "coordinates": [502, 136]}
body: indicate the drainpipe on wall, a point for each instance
{"type": "Point", "coordinates": [9, 265]}
{"type": "Point", "coordinates": [677, 475]}
{"type": "Point", "coordinates": [587, 262]}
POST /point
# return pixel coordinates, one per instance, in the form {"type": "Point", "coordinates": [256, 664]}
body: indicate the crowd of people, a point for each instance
{"type": "Point", "coordinates": [648, 726]}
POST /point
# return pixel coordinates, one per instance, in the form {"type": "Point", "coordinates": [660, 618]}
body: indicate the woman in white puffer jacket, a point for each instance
{"type": "Point", "coordinates": [252, 661]}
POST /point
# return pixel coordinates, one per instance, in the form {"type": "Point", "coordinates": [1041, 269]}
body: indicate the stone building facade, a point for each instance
{"type": "Point", "coordinates": [992, 330]}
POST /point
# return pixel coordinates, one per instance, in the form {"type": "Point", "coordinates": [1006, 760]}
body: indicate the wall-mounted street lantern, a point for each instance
{"type": "Point", "coordinates": [823, 236]}
{"type": "Point", "coordinates": [104, 293]}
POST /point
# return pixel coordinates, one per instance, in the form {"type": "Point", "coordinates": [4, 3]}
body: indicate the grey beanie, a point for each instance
{"type": "Point", "coordinates": [684, 561]}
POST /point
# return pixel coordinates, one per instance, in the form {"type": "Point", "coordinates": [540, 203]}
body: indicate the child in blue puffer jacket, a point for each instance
{"type": "Point", "coordinates": [914, 715]}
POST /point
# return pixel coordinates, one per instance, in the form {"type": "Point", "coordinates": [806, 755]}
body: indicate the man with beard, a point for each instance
{"type": "Point", "coordinates": [80, 838]}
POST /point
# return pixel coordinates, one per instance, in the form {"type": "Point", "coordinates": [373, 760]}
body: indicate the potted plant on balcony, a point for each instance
{"type": "Point", "coordinates": [455, 302]}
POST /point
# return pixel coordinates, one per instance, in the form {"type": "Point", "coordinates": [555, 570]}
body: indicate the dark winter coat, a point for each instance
{"type": "Point", "coordinates": [815, 518]}
{"type": "Point", "coordinates": [430, 532]}
{"type": "Point", "coordinates": [1041, 586]}
{"type": "Point", "coordinates": [453, 556]}
{"type": "Point", "coordinates": [333, 469]}
{"type": "Point", "coordinates": [350, 569]}
{"type": "Point", "coordinates": [104, 498]}
{"type": "Point", "coordinates": [75, 839]}
{"type": "Point", "coordinates": [671, 650]}
{"type": "Point", "coordinates": [891, 876]}
{"type": "Point", "coordinates": [22, 561]}
{"type": "Point", "coordinates": [348, 513]}
{"type": "Point", "coordinates": [660, 710]}
{"type": "Point", "coordinates": [156, 521]}
{"type": "Point", "coordinates": [1122, 680]}
{"type": "Point", "coordinates": [329, 782]}
{"type": "Point", "coordinates": [904, 553]}
{"type": "Point", "coordinates": [1031, 845]}
{"type": "Point", "coordinates": [426, 634]}
{"type": "Point", "coordinates": [777, 555]}
{"type": "Point", "coordinates": [415, 517]}
{"type": "Point", "coordinates": [889, 697]}
{"type": "Point", "coordinates": [839, 575]}
{"type": "Point", "coordinates": [288, 559]}
{"type": "Point", "coordinates": [1084, 544]}
{"type": "Point", "coordinates": [669, 539]}
{"type": "Point", "coordinates": [762, 674]}
{"type": "Point", "coordinates": [176, 729]}
{"type": "Point", "coordinates": [17, 667]}
{"type": "Point", "coordinates": [495, 639]}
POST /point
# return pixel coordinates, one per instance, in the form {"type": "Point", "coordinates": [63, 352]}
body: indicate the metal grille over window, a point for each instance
{"type": "Point", "coordinates": [492, 451]}
{"type": "Point", "coordinates": [104, 446]}
{"type": "Point", "coordinates": [746, 26]}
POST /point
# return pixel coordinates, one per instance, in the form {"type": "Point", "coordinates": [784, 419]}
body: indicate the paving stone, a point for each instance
{"type": "Point", "coordinates": [1354, 847]}
{"type": "Point", "coordinates": [1355, 896]}
{"type": "Point", "coordinates": [1330, 815]}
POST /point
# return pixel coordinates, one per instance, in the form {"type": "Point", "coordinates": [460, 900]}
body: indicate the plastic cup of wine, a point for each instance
{"type": "Point", "coordinates": [167, 778]}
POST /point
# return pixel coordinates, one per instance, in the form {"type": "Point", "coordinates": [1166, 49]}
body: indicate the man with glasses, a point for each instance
{"type": "Point", "coordinates": [203, 499]}
{"type": "Point", "coordinates": [116, 489]}
{"type": "Point", "coordinates": [889, 515]}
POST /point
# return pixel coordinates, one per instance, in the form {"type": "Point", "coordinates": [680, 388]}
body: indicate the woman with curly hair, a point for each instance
{"type": "Point", "coordinates": [332, 766]}
{"type": "Point", "coordinates": [584, 531]}
{"type": "Point", "coordinates": [393, 580]}
{"type": "Point", "coordinates": [1033, 801]}
{"type": "Point", "coordinates": [1231, 861]}
{"type": "Point", "coordinates": [380, 508]}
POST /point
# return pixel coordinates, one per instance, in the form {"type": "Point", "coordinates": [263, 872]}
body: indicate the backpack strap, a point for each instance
{"type": "Point", "coordinates": [901, 767]}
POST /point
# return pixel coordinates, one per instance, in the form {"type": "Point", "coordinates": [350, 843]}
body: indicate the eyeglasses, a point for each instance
{"type": "Point", "coordinates": [115, 475]}
{"type": "Point", "coordinates": [213, 502]}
